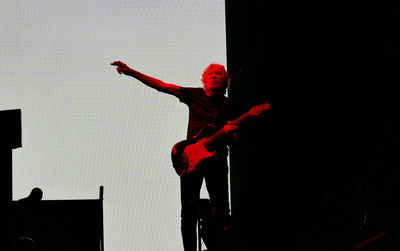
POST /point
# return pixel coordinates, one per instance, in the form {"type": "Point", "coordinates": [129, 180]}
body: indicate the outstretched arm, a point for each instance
{"type": "Point", "coordinates": [147, 80]}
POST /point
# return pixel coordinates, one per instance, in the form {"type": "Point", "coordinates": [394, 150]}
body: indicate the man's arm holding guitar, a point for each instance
{"type": "Point", "coordinates": [147, 80]}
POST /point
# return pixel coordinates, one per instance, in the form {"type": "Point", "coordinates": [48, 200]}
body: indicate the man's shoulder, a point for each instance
{"type": "Point", "coordinates": [187, 94]}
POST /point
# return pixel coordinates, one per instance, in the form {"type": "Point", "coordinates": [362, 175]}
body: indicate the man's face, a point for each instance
{"type": "Point", "coordinates": [214, 82]}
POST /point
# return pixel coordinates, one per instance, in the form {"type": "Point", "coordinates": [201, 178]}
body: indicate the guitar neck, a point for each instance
{"type": "Point", "coordinates": [220, 133]}
{"type": "Point", "coordinates": [241, 119]}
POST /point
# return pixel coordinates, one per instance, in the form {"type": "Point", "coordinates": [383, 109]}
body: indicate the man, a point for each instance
{"type": "Point", "coordinates": [207, 105]}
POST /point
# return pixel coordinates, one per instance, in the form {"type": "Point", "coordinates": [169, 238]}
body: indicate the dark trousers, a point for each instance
{"type": "Point", "coordinates": [215, 172]}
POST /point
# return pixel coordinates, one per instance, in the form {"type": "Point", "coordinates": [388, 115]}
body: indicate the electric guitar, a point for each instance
{"type": "Point", "coordinates": [187, 154]}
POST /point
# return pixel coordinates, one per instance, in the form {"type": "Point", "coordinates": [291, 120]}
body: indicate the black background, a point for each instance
{"type": "Point", "coordinates": [307, 171]}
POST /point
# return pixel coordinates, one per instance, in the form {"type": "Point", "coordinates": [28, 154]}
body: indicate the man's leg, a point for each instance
{"type": "Point", "coordinates": [190, 194]}
{"type": "Point", "coordinates": [217, 187]}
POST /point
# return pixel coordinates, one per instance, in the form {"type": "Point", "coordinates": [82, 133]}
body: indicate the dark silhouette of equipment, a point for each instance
{"type": "Point", "coordinates": [33, 224]}
{"type": "Point", "coordinates": [10, 135]}
{"type": "Point", "coordinates": [47, 225]}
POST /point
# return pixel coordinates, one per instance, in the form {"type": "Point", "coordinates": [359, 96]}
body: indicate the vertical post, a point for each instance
{"type": "Point", "coordinates": [101, 194]}
{"type": "Point", "coordinates": [198, 233]}
{"type": "Point", "coordinates": [6, 175]}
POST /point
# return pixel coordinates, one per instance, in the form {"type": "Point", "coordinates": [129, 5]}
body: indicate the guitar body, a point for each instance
{"type": "Point", "coordinates": [187, 154]}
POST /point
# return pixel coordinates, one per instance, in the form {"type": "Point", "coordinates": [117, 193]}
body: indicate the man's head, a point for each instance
{"type": "Point", "coordinates": [215, 79]}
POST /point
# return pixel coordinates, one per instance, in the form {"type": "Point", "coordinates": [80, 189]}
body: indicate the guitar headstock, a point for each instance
{"type": "Point", "coordinates": [256, 110]}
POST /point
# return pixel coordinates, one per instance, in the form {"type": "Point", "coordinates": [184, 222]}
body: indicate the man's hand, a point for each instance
{"type": "Point", "coordinates": [229, 127]}
{"type": "Point", "coordinates": [121, 67]}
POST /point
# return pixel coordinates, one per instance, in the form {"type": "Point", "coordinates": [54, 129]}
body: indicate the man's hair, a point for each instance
{"type": "Point", "coordinates": [220, 67]}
